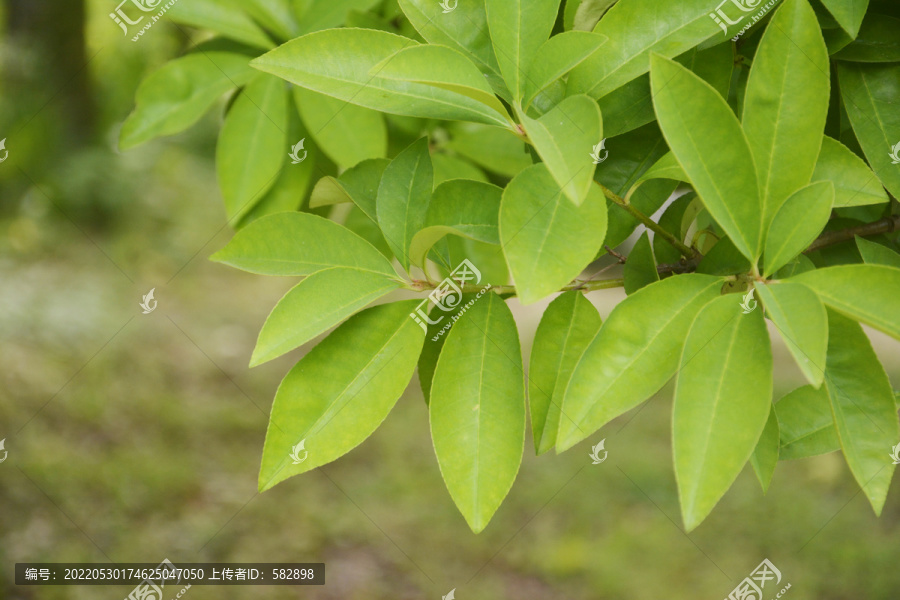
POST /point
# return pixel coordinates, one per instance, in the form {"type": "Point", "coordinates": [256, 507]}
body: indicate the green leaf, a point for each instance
{"type": "Point", "coordinates": [724, 259]}
{"type": "Point", "coordinates": [464, 30]}
{"type": "Point", "coordinates": [556, 57]}
{"type": "Point", "coordinates": [496, 149]}
{"type": "Point", "coordinates": [564, 138]}
{"type": "Point", "coordinates": [878, 41]}
{"type": "Point", "coordinates": [589, 13]}
{"type": "Point", "coordinates": [569, 323]}
{"type": "Point", "coordinates": [477, 409]}
{"type": "Point", "coordinates": [276, 16]}
{"type": "Point", "coordinates": [869, 92]}
{"type": "Point", "coordinates": [800, 318]}
{"type": "Point", "coordinates": [357, 184]}
{"type": "Point", "coordinates": [673, 220]}
{"type": "Point", "coordinates": [765, 457]}
{"type": "Point", "coordinates": [867, 293]}
{"type": "Point", "coordinates": [447, 167]}
{"type": "Point", "coordinates": [797, 223]}
{"type": "Point", "coordinates": [174, 97]}
{"type": "Point", "coordinates": [711, 148]}
{"type": "Point", "coordinates": [314, 306]}
{"type": "Point", "coordinates": [325, 14]}
{"type": "Point", "coordinates": [223, 16]}
{"type": "Point", "coordinates": [548, 241]}
{"type": "Point", "coordinates": [862, 403]}
{"type": "Point", "coordinates": [640, 268]}
{"type": "Point", "coordinates": [637, 28]}
{"type": "Point", "coordinates": [339, 62]}
{"type": "Point", "coordinates": [518, 28]}
{"type": "Point", "coordinates": [347, 134]}
{"type": "Point", "coordinates": [848, 13]}
{"type": "Point", "coordinates": [786, 103]}
{"type": "Point", "coordinates": [459, 207]}
{"type": "Point", "coordinates": [403, 198]}
{"type": "Point", "coordinates": [722, 402]}
{"type": "Point", "coordinates": [442, 67]}
{"type": "Point", "coordinates": [854, 182]}
{"type": "Point", "coordinates": [252, 145]}
{"type": "Point", "coordinates": [299, 244]}
{"type": "Point", "coordinates": [876, 254]}
{"type": "Point", "coordinates": [634, 354]}
{"type": "Point", "coordinates": [431, 352]}
{"type": "Point", "coordinates": [805, 423]}
{"type": "Point", "coordinates": [339, 393]}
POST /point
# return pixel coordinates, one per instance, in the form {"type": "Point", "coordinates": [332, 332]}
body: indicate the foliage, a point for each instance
{"type": "Point", "coordinates": [477, 133]}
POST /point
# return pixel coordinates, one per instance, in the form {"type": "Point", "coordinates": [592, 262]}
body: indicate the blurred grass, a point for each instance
{"type": "Point", "coordinates": [137, 437]}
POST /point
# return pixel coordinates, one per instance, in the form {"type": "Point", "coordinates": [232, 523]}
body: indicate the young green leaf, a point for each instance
{"type": "Point", "coordinates": [640, 268]}
{"type": "Point", "coordinates": [800, 318]}
{"type": "Point", "coordinates": [848, 13]}
{"type": "Point", "coordinates": [711, 147]}
{"type": "Point", "coordinates": [518, 28]}
{"type": "Point", "coordinates": [555, 58]}
{"type": "Point", "coordinates": [765, 457]}
{"type": "Point", "coordinates": [569, 323]}
{"type": "Point", "coordinates": [862, 402]}
{"type": "Point", "coordinates": [797, 223]}
{"type": "Point", "coordinates": [636, 29]}
{"type": "Point", "coordinates": [314, 306]}
{"type": "Point", "coordinates": [403, 198]}
{"type": "Point", "coordinates": [722, 401]}
{"type": "Point", "coordinates": [223, 16]}
{"type": "Point", "coordinates": [547, 240]}
{"type": "Point", "coordinates": [339, 393]}
{"type": "Point", "coordinates": [477, 409]}
{"type": "Point", "coordinates": [866, 293]}
{"type": "Point", "coordinates": [493, 148]}
{"type": "Point", "coordinates": [461, 207]}
{"type": "Point", "coordinates": [786, 103]}
{"type": "Point", "coordinates": [299, 244]}
{"type": "Point", "coordinates": [339, 62]}
{"type": "Point", "coordinates": [869, 92]}
{"type": "Point", "coordinates": [324, 14]}
{"type": "Point", "coordinates": [465, 30]}
{"type": "Point", "coordinates": [174, 97]}
{"type": "Point", "coordinates": [441, 67]}
{"type": "Point", "coordinates": [633, 355]}
{"type": "Point", "coordinates": [564, 138]}
{"type": "Point", "coordinates": [357, 184]}
{"type": "Point", "coordinates": [347, 134]}
{"type": "Point", "coordinates": [805, 423]}
{"type": "Point", "coordinates": [252, 145]}
{"type": "Point", "coordinates": [854, 182]}
{"type": "Point", "coordinates": [876, 254]}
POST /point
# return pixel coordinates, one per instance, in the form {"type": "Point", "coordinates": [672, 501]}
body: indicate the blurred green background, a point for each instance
{"type": "Point", "coordinates": [134, 438]}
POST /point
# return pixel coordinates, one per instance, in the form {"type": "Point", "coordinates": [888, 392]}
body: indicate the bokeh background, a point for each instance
{"type": "Point", "coordinates": [134, 438]}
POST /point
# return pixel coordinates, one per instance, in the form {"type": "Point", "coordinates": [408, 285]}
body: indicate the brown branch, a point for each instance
{"type": "Point", "coordinates": [829, 238]}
